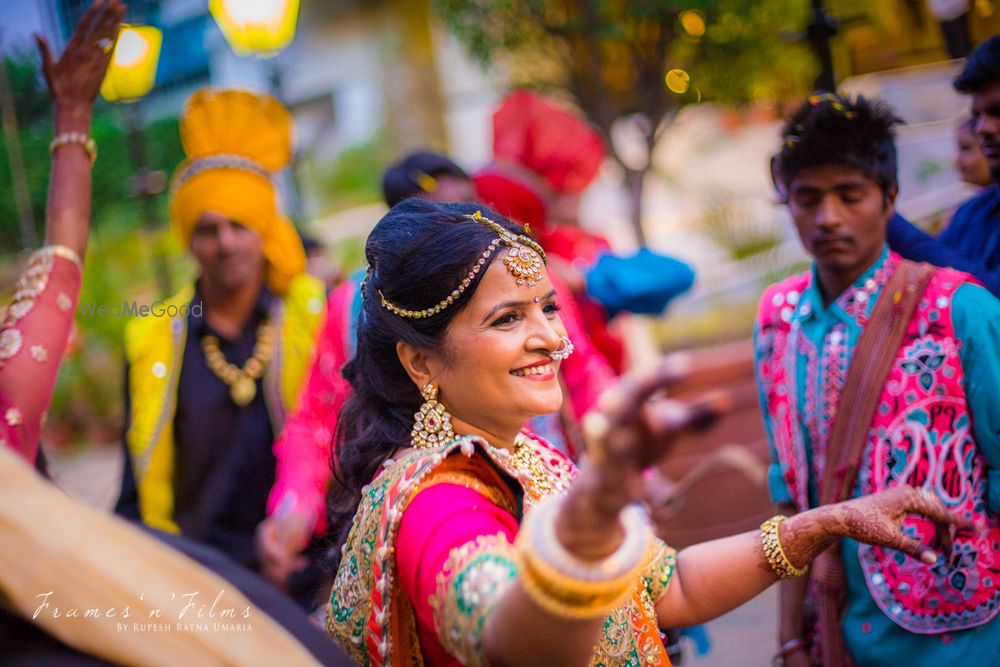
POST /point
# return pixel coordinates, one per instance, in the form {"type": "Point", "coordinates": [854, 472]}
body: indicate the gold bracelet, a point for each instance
{"type": "Point", "coordinates": [775, 555]}
{"type": "Point", "coordinates": [80, 139]}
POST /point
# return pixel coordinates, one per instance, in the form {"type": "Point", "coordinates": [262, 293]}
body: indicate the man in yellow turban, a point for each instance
{"type": "Point", "coordinates": [213, 370]}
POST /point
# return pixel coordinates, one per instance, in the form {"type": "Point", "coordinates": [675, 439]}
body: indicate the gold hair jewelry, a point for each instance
{"type": "Point", "coordinates": [775, 555]}
{"type": "Point", "coordinates": [242, 381]}
{"type": "Point", "coordinates": [432, 423]}
{"type": "Point", "coordinates": [524, 260]}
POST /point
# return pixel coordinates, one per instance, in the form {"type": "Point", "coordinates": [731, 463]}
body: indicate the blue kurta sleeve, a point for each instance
{"type": "Point", "coordinates": [976, 315]}
{"type": "Point", "coordinates": [915, 244]}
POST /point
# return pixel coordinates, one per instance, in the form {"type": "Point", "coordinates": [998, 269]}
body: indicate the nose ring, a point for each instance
{"type": "Point", "coordinates": [563, 352]}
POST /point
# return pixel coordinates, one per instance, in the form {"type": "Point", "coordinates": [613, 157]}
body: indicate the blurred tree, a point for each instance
{"type": "Point", "coordinates": [630, 65]}
{"type": "Point", "coordinates": [115, 208]}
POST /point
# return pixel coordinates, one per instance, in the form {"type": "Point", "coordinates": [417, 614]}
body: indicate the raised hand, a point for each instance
{"type": "Point", "coordinates": [76, 77]}
{"type": "Point", "coordinates": [634, 428]}
{"type": "Point", "coordinates": [630, 430]}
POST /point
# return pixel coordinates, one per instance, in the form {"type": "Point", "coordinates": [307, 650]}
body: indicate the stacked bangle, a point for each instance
{"type": "Point", "coordinates": [774, 553]}
{"type": "Point", "coordinates": [568, 586]}
{"type": "Point", "coordinates": [79, 138]}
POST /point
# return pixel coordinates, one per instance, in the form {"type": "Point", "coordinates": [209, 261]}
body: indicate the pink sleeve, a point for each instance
{"type": "Point", "coordinates": [586, 372]}
{"type": "Point", "coordinates": [33, 337]}
{"type": "Point", "coordinates": [436, 521]}
{"type": "Point", "coordinates": [304, 447]}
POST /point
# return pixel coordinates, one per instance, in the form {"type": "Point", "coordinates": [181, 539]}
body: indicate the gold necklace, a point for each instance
{"type": "Point", "coordinates": [242, 382]}
{"type": "Point", "coordinates": [527, 460]}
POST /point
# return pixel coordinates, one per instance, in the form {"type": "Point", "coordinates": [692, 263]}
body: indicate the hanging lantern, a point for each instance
{"type": "Point", "coordinates": [256, 27]}
{"type": "Point", "coordinates": [133, 65]}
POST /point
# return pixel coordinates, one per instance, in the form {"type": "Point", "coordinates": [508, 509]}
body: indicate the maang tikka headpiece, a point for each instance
{"type": "Point", "coordinates": [524, 260]}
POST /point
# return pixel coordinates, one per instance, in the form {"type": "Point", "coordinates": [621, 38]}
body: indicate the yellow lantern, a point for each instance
{"type": "Point", "coordinates": [256, 27]}
{"type": "Point", "coordinates": [133, 65]}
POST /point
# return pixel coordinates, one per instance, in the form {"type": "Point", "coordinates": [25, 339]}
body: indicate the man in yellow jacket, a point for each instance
{"type": "Point", "coordinates": [213, 370]}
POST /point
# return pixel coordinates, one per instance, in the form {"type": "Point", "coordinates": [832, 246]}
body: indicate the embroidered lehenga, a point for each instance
{"type": "Point", "coordinates": [431, 550]}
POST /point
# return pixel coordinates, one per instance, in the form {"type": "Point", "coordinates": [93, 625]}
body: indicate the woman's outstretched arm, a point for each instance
{"type": "Point", "coordinates": [36, 326]}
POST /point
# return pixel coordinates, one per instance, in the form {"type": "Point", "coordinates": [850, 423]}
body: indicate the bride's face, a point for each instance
{"type": "Point", "coordinates": [495, 370]}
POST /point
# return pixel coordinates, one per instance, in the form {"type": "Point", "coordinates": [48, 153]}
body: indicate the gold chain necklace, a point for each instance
{"type": "Point", "coordinates": [242, 382]}
{"type": "Point", "coordinates": [527, 460]}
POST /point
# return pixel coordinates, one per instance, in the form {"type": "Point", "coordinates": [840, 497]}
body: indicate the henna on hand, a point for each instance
{"type": "Point", "coordinates": [875, 519]}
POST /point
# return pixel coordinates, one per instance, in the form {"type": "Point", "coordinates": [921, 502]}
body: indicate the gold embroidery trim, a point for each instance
{"type": "Point", "coordinates": [470, 583]}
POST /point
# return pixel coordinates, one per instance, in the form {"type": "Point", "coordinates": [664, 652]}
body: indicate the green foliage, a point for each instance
{"type": "Point", "coordinates": [733, 228]}
{"type": "Point", "coordinates": [612, 55]}
{"type": "Point", "coordinates": [115, 209]}
{"type": "Point", "coordinates": [355, 177]}
{"type": "Point", "coordinates": [31, 99]}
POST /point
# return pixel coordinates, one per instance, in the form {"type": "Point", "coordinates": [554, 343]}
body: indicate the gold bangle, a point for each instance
{"type": "Point", "coordinates": [552, 579]}
{"type": "Point", "coordinates": [565, 586]}
{"type": "Point", "coordinates": [775, 555]}
{"type": "Point", "coordinates": [569, 603]}
{"type": "Point", "coordinates": [80, 139]}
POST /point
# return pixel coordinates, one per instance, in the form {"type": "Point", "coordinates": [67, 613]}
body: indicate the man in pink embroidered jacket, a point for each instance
{"type": "Point", "coordinates": [296, 506]}
{"type": "Point", "coordinates": [936, 425]}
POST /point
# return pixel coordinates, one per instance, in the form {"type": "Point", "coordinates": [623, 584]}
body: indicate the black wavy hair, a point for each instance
{"type": "Point", "coordinates": [417, 254]}
{"type": "Point", "coordinates": [402, 180]}
{"type": "Point", "coordinates": [834, 129]}
{"type": "Point", "coordinates": [982, 68]}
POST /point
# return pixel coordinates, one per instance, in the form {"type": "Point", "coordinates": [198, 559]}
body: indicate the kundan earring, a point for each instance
{"type": "Point", "coordinates": [432, 423]}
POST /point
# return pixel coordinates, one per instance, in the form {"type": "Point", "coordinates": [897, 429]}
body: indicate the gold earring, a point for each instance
{"type": "Point", "coordinates": [432, 423]}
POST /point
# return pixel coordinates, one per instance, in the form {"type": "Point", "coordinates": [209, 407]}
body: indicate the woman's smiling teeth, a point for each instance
{"type": "Point", "coordinates": [534, 370]}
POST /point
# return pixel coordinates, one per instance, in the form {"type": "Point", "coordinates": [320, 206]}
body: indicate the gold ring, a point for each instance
{"type": "Point", "coordinates": [105, 44]}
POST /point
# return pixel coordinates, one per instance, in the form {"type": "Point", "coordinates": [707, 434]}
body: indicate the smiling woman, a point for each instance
{"type": "Point", "coordinates": [463, 537]}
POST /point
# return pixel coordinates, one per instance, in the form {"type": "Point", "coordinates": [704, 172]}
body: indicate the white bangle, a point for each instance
{"type": "Point", "coordinates": [540, 528]}
{"type": "Point", "coordinates": [80, 139]}
{"type": "Point", "coordinates": [56, 250]}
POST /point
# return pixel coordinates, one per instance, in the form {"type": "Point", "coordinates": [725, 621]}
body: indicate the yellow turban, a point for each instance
{"type": "Point", "coordinates": [234, 141]}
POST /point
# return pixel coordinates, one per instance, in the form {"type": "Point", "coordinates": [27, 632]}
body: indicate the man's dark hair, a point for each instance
{"type": "Point", "coordinates": [982, 67]}
{"type": "Point", "coordinates": [834, 129]}
{"type": "Point", "coordinates": [415, 173]}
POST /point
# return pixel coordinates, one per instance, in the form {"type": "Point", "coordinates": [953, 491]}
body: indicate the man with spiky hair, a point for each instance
{"type": "Point", "coordinates": [971, 241]}
{"type": "Point", "coordinates": [876, 372]}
